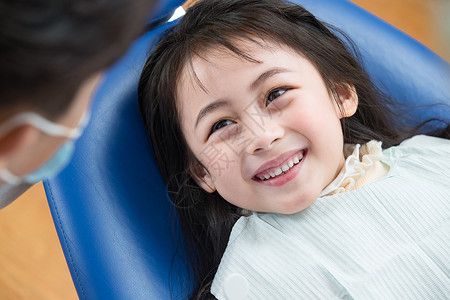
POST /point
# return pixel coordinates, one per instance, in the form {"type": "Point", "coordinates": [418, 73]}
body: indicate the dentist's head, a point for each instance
{"type": "Point", "coordinates": [52, 56]}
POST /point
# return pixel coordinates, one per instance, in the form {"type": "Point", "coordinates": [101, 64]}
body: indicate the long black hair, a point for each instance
{"type": "Point", "coordinates": [207, 219]}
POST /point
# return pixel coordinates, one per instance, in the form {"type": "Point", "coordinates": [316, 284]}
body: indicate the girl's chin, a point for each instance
{"type": "Point", "coordinates": [294, 206]}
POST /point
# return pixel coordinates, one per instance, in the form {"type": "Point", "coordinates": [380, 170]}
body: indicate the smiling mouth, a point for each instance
{"type": "Point", "coordinates": [282, 169]}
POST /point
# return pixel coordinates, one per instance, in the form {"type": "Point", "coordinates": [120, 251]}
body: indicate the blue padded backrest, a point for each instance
{"type": "Point", "coordinates": [110, 206]}
{"type": "Point", "coordinates": [403, 68]}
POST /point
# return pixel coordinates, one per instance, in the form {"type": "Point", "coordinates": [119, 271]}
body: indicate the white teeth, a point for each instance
{"type": "Point", "coordinates": [283, 168]}
{"type": "Point", "coordinates": [278, 171]}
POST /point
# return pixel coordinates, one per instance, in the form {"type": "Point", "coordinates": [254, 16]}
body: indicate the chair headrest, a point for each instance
{"type": "Point", "coordinates": [163, 10]}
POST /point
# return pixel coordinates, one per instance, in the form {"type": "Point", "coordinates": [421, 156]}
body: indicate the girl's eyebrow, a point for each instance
{"type": "Point", "coordinates": [210, 108]}
{"type": "Point", "coordinates": [266, 75]}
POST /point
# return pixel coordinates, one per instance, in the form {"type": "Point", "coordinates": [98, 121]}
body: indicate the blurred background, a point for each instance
{"type": "Point", "coordinates": [32, 264]}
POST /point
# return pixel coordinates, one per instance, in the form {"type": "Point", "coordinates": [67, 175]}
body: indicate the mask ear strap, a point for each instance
{"type": "Point", "coordinates": [44, 125]}
{"type": "Point", "coordinates": [8, 177]}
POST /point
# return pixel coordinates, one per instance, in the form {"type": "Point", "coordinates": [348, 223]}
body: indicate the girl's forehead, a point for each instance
{"type": "Point", "coordinates": [203, 65]}
{"type": "Point", "coordinates": [243, 50]}
{"type": "Point", "coordinates": [204, 62]}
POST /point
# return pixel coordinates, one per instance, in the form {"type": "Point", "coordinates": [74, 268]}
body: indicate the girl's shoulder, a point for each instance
{"type": "Point", "coordinates": [426, 141]}
{"type": "Point", "coordinates": [428, 147]}
{"type": "Point", "coordinates": [421, 155]}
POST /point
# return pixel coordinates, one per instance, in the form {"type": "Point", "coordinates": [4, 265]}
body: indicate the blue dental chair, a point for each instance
{"type": "Point", "coordinates": [114, 219]}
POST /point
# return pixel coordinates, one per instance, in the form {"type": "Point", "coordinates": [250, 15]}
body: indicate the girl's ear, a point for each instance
{"type": "Point", "coordinates": [349, 100]}
{"type": "Point", "coordinates": [203, 178]}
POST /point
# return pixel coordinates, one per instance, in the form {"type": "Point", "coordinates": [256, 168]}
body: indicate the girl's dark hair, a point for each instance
{"type": "Point", "coordinates": [207, 219]}
{"type": "Point", "coordinates": [48, 48]}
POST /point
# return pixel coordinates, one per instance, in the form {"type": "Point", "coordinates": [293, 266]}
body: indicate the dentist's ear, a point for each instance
{"type": "Point", "coordinates": [349, 100]}
{"type": "Point", "coordinates": [16, 140]}
{"type": "Point", "coordinates": [203, 178]}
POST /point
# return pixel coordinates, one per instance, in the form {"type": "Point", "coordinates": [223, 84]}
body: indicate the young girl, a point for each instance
{"type": "Point", "coordinates": [265, 127]}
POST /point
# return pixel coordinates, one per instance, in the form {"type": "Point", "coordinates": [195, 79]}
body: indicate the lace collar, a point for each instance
{"type": "Point", "coordinates": [360, 163]}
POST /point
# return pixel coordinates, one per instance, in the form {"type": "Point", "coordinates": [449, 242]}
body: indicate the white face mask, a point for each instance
{"type": "Point", "coordinates": [58, 161]}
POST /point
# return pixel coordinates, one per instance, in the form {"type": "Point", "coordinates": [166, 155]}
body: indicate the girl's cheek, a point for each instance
{"type": "Point", "coordinates": [218, 157]}
{"type": "Point", "coordinates": [230, 132]}
{"type": "Point", "coordinates": [222, 165]}
{"type": "Point", "coordinates": [234, 139]}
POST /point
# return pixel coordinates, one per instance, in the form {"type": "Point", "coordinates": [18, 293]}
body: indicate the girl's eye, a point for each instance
{"type": "Point", "coordinates": [220, 124]}
{"type": "Point", "coordinates": [275, 94]}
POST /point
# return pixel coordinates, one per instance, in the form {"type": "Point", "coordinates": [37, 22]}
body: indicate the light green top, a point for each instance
{"type": "Point", "coordinates": [386, 240]}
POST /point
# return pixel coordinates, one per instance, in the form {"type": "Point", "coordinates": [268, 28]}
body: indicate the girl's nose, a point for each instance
{"type": "Point", "coordinates": [266, 137]}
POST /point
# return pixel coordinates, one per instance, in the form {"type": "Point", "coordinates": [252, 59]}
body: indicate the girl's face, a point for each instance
{"type": "Point", "coordinates": [267, 133]}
